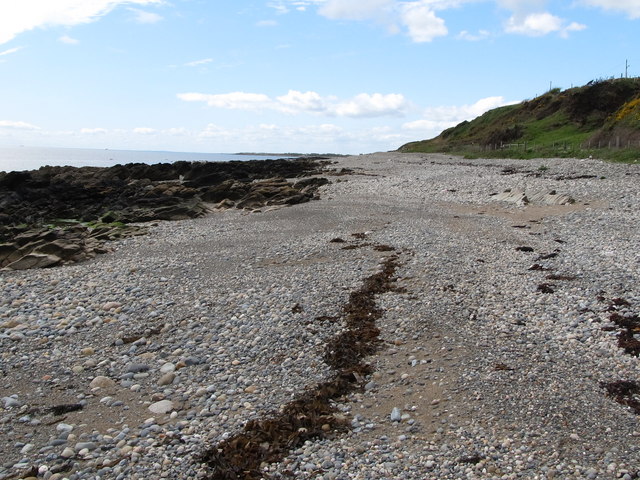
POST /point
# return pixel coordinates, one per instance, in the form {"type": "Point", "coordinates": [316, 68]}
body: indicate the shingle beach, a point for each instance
{"type": "Point", "coordinates": [506, 345]}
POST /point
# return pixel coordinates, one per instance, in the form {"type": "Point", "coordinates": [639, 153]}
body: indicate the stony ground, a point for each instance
{"type": "Point", "coordinates": [494, 360]}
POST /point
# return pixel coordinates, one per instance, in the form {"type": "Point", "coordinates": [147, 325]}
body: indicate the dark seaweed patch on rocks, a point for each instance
{"type": "Point", "coordinates": [625, 392]}
{"type": "Point", "coordinates": [548, 255]}
{"type": "Point", "coordinates": [538, 267]}
{"type": "Point", "coordinates": [66, 408]}
{"type": "Point", "coordinates": [630, 326]}
{"type": "Point", "coordinates": [546, 288]}
{"type": "Point", "coordinates": [566, 278]}
{"type": "Point", "coordinates": [616, 303]}
{"type": "Point", "coordinates": [312, 414]}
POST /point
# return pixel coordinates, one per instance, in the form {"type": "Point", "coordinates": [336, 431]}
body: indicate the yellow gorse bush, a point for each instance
{"type": "Point", "coordinates": [628, 109]}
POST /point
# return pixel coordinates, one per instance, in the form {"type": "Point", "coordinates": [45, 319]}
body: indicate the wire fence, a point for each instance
{"type": "Point", "coordinates": [561, 146]}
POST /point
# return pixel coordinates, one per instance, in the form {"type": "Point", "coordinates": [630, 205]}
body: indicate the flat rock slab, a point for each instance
{"type": "Point", "coordinates": [545, 197]}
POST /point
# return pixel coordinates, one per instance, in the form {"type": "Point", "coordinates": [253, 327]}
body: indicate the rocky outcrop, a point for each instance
{"type": "Point", "coordinates": [273, 191]}
{"type": "Point", "coordinates": [44, 247]}
{"type": "Point", "coordinates": [126, 194]}
{"type": "Point", "coordinates": [139, 192]}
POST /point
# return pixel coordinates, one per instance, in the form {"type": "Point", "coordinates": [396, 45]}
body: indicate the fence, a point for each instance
{"type": "Point", "coordinates": [555, 146]}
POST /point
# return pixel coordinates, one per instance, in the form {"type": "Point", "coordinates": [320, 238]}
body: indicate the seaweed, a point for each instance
{"type": "Point", "coordinates": [311, 414]}
{"type": "Point", "coordinates": [630, 326]}
{"type": "Point", "coordinates": [625, 392]}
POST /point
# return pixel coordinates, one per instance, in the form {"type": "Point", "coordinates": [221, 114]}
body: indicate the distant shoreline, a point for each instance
{"type": "Point", "coordinates": [31, 158]}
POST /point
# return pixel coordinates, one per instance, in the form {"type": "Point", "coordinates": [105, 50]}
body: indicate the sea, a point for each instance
{"type": "Point", "coordinates": [31, 158]}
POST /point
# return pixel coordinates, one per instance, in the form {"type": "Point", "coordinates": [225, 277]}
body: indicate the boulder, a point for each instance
{"type": "Point", "coordinates": [513, 196]}
{"type": "Point", "coordinates": [34, 260]}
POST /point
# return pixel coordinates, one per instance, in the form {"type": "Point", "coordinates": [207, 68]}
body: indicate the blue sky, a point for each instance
{"type": "Point", "coordinates": [343, 76]}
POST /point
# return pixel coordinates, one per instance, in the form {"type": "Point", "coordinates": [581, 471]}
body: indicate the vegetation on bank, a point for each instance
{"type": "Point", "coordinates": [600, 119]}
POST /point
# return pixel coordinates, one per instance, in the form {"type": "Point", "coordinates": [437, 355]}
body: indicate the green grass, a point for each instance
{"type": "Point", "coordinates": [622, 155]}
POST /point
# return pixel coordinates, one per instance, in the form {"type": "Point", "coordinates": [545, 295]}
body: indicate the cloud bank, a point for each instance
{"type": "Point", "coordinates": [17, 125]}
{"type": "Point", "coordinates": [24, 15]}
{"type": "Point", "coordinates": [295, 102]}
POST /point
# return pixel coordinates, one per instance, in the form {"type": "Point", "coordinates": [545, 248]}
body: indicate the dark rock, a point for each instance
{"type": "Point", "coordinates": [137, 368]}
{"type": "Point", "coordinates": [129, 194]}
{"type": "Point", "coordinates": [136, 192]}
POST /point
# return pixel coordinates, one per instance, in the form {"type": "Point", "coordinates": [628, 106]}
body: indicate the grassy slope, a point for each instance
{"type": "Point", "coordinates": [558, 123]}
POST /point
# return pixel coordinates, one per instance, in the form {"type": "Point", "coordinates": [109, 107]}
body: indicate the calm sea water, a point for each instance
{"type": "Point", "coordinates": [30, 158]}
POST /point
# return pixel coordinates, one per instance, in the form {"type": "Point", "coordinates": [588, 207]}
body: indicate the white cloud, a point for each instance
{"type": "Point", "coordinates": [24, 15]}
{"type": "Point", "coordinates": [539, 24]}
{"type": "Point", "coordinates": [522, 6]}
{"type": "Point", "coordinates": [422, 22]}
{"type": "Point", "coordinates": [474, 37]}
{"type": "Point", "coordinates": [68, 40]}
{"type": "Point", "coordinates": [376, 105]}
{"type": "Point", "coordinates": [629, 7]}
{"type": "Point", "coordinates": [231, 101]}
{"type": "Point", "coordinates": [279, 7]}
{"type": "Point", "coordinates": [145, 131]}
{"type": "Point", "coordinates": [10, 51]}
{"type": "Point", "coordinates": [176, 132]}
{"type": "Point", "coordinates": [439, 118]}
{"type": "Point", "coordinates": [215, 131]}
{"type": "Point", "coordinates": [197, 63]}
{"type": "Point", "coordinates": [17, 125]}
{"type": "Point", "coordinates": [142, 16]}
{"type": "Point", "coordinates": [353, 9]}
{"type": "Point", "coordinates": [572, 27]}
{"type": "Point", "coordinates": [94, 131]}
{"type": "Point", "coordinates": [295, 102]}
{"type": "Point", "coordinates": [282, 6]}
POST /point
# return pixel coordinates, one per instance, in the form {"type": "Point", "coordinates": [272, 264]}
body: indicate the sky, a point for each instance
{"type": "Point", "coordinates": [325, 76]}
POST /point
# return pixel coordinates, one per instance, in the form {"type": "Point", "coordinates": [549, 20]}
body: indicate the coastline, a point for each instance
{"type": "Point", "coordinates": [493, 378]}
{"type": "Point", "coordinates": [22, 158]}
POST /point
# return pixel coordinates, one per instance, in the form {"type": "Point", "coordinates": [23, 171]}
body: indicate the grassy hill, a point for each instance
{"type": "Point", "coordinates": [601, 119]}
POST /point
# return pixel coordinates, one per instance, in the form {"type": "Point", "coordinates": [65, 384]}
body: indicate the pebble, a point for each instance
{"type": "Point", "coordinates": [396, 414]}
{"type": "Point", "coordinates": [102, 382]}
{"type": "Point", "coordinates": [11, 402]}
{"type": "Point", "coordinates": [68, 452]}
{"type": "Point", "coordinates": [167, 379]}
{"type": "Point", "coordinates": [111, 306]}
{"type": "Point", "coordinates": [161, 407]}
